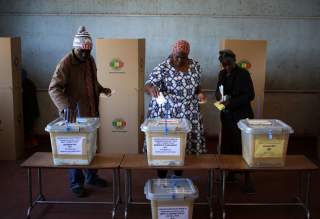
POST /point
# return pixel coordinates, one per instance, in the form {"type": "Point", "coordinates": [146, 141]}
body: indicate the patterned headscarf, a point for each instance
{"type": "Point", "coordinates": [181, 46]}
{"type": "Point", "coordinates": [82, 39]}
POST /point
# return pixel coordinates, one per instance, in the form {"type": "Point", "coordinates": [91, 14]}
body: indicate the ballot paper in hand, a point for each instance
{"type": "Point", "coordinates": [161, 99]}
{"type": "Point", "coordinates": [223, 97]}
{"type": "Point", "coordinates": [219, 105]}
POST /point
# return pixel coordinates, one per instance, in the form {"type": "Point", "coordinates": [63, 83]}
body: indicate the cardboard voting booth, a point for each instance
{"type": "Point", "coordinates": [11, 114]}
{"type": "Point", "coordinates": [120, 64]}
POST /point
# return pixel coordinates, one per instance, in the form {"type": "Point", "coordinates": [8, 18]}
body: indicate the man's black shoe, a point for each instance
{"type": "Point", "coordinates": [99, 182]}
{"type": "Point", "coordinates": [79, 192]}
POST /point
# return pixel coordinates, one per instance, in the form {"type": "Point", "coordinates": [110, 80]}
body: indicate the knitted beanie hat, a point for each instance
{"type": "Point", "coordinates": [82, 39]}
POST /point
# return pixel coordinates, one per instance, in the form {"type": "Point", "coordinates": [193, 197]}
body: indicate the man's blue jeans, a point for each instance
{"type": "Point", "coordinates": [77, 177]}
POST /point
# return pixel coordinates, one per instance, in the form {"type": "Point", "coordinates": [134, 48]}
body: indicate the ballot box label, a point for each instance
{"type": "Point", "coordinates": [165, 146]}
{"type": "Point", "coordinates": [69, 145]}
{"type": "Point", "coordinates": [265, 148]}
{"type": "Point", "coordinates": [173, 212]}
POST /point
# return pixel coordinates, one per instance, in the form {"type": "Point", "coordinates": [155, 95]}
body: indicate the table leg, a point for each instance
{"type": "Point", "coordinates": [307, 194]}
{"type": "Point", "coordinates": [126, 192]}
{"type": "Point", "coordinates": [300, 196]}
{"type": "Point", "coordinates": [223, 185]}
{"type": "Point", "coordinates": [114, 192]}
{"type": "Point", "coordinates": [210, 190]}
{"type": "Point", "coordinates": [300, 185]}
{"type": "Point", "coordinates": [119, 187]}
{"type": "Point", "coordinates": [130, 187]}
{"type": "Point", "coordinates": [30, 193]}
{"type": "Point", "coordinates": [41, 196]}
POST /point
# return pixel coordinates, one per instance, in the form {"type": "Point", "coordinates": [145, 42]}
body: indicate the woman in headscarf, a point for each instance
{"type": "Point", "coordinates": [178, 78]}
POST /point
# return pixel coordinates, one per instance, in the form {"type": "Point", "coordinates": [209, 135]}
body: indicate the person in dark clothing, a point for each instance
{"type": "Point", "coordinates": [30, 109]}
{"type": "Point", "coordinates": [238, 92]}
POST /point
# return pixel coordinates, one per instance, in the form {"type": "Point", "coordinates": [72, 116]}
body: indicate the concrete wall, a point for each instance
{"type": "Point", "coordinates": [290, 26]}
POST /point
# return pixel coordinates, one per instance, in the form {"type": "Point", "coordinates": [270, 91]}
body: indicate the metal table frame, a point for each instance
{"type": "Point", "coordinates": [41, 199]}
{"type": "Point", "coordinates": [128, 196]}
{"type": "Point", "coordinates": [302, 199]}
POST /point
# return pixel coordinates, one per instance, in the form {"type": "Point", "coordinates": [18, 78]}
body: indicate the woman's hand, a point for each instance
{"type": "Point", "coordinates": [106, 91]}
{"type": "Point", "coordinates": [225, 103]}
{"type": "Point", "coordinates": [152, 90]}
{"type": "Point", "coordinates": [202, 98]}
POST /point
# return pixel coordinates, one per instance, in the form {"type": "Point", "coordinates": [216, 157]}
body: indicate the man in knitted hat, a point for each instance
{"type": "Point", "coordinates": [74, 89]}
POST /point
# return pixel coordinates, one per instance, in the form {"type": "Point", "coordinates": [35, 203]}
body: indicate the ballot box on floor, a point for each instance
{"type": "Point", "coordinates": [171, 198]}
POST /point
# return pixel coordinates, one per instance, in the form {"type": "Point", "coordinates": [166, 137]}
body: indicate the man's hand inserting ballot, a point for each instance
{"type": "Point", "coordinates": [70, 114]}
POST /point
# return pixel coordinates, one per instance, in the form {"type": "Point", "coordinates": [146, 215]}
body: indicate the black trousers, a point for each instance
{"type": "Point", "coordinates": [231, 139]}
{"type": "Point", "coordinates": [163, 173]}
{"type": "Point", "coordinates": [230, 134]}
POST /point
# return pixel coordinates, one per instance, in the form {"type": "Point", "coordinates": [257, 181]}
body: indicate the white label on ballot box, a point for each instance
{"type": "Point", "coordinates": [165, 146]}
{"type": "Point", "coordinates": [69, 145]}
{"type": "Point", "coordinates": [173, 212]}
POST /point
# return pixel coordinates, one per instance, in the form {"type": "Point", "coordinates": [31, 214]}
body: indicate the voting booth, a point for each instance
{"type": "Point", "coordinates": [11, 110]}
{"type": "Point", "coordinates": [120, 66]}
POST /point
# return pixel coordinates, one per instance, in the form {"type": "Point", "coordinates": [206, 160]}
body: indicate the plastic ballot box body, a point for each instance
{"type": "Point", "coordinates": [166, 141]}
{"type": "Point", "coordinates": [73, 143]}
{"type": "Point", "coordinates": [171, 198]}
{"type": "Point", "coordinates": [264, 142]}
